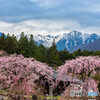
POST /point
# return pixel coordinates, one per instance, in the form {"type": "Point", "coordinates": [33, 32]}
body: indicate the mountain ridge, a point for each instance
{"type": "Point", "coordinates": [74, 39]}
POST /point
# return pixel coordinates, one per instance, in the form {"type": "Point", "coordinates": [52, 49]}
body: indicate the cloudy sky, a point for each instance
{"type": "Point", "coordinates": [49, 16]}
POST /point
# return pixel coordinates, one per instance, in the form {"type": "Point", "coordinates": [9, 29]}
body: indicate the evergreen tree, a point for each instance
{"type": "Point", "coordinates": [23, 45]}
{"type": "Point", "coordinates": [11, 44]}
{"type": "Point", "coordinates": [97, 53]}
{"type": "Point", "coordinates": [31, 46]}
{"type": "Point", "coordinates": [37, 54]}
{"type": "Point", "coordinates": [43, 51]}
{"type": "Point", "coordinates": [64, 55]}
{"type": "Point", "coordinates": [53, 56]}
{"type": "Point", "coordinates": [85, 53]}
{"type": "Point", "coordinates": [77, 53]}
{"type": "Point", "coordinates": [54, 45]}
{"type": "Point", "coordinates": [54, 59]}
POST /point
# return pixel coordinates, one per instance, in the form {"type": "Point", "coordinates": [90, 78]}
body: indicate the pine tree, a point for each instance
{"type": "Point", "coordinates": [11, 44]}
{"type": "Point", "coordinates": [23, 45]}
{"type": "Point", "coordinates": [37, 54]}
{"type": "Point", "coordinates": [54, 44]}
{"type": "Point", "coordinates": [31, 46]}
{"type": "Point", "coordinates": [64, 55]}
{"type": "Point", "coordinates": [77, 53]}
{"type": "Point", "coordinates": [43, 51]}
{"type": "Point", "coordinates": [53, 56]}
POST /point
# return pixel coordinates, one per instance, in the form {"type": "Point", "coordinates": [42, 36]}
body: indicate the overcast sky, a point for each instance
{"type": "Point", "coordinates": [49, 16]}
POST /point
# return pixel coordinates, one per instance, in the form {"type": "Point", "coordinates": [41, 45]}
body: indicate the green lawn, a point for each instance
{"type": "Point", "coordinates": [57, 97]}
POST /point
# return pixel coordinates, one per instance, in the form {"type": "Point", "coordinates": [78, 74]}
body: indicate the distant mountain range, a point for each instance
{"type": "Point", "coordinates": [46, 40]}
{"type": "Point", "coordinates": [72, 41]}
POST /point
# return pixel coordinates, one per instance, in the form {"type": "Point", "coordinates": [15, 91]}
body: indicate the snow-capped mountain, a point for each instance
{"type": "Point", "coordinates": [75, 39]}
{"type": "Point", "coordinates": [46, 40]}
{"type": "Point", "coordinates": [70, 41]}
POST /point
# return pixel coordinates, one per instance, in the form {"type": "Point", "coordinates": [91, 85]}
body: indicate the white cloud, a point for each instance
{"type": "Point", "coordinates": [43, 26]}
{"type": "Point", "coordinates": [91, 29]}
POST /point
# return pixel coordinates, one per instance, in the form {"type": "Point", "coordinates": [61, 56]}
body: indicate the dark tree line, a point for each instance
{"type": "Point", "coordinates": [29, 48]}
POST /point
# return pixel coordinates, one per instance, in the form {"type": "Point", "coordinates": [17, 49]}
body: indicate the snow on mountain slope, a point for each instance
{"type": "Point", "coordinates": [66, 39]}
{"type": "Point", "coordinates": [74, 39]}
{"type": "Point", "coordinates": [46, 40]}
